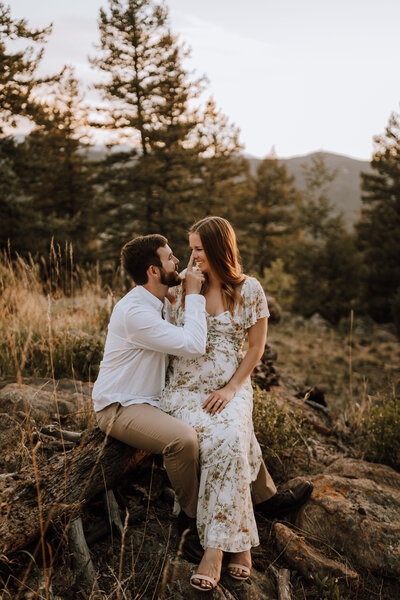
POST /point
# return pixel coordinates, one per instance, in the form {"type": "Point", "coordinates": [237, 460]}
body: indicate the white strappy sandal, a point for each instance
{"type": "Point", "coordinates": [242, 568]}
{"type": "Point", "coordinates": [203, 578]}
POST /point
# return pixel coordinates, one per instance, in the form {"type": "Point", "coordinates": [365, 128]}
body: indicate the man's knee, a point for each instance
{"type": "Point", "coordinates": [185, 444]}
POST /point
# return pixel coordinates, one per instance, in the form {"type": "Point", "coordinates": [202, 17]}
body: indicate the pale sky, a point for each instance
{"type": "Point", "coordinates": [297, 75]}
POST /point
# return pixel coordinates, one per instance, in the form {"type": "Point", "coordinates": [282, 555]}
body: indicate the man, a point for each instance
{"type": "Point", "coordinates": [132, 375]}
{"type": "Point", "coordinates": [132, 372]}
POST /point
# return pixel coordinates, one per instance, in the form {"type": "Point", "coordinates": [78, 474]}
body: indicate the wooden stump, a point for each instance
{"type": "Point", "coordinates": [85, 572]}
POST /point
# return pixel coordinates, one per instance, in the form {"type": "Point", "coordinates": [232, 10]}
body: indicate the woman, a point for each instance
{"type": "Point", "coordinates": [213, 394]}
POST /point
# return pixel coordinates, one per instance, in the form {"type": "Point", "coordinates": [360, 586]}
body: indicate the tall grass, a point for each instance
{"type": "Point", "coordinates": [53, 317]}
{"type": "Point", "coordinates": [357, 365]}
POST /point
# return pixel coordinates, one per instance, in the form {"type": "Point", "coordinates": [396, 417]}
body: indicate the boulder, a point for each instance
{"type": "Point", "coordinates": [42, 400]}
{"type": "Point", "coordinates": [265, 375]}
{"type": "Point", "coordinates": [355, 509]}
{"type": "Point", "coordinates": [274, 309]}
{"type": "Point", "coordinates": [318, 323]}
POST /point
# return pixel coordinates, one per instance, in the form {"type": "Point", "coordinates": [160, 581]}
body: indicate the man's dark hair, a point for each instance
{"type": "Point", "coordinates": [140, 253]}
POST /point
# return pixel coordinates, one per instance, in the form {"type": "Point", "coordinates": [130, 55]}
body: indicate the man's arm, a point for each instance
{"type": "Point", "coordinates": [148, 330]}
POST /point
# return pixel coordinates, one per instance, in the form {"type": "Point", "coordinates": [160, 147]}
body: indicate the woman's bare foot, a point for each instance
{"type": "Point", "coordinates": [210, 566]}
{"type": "Point", "coordinates": [240, 558]}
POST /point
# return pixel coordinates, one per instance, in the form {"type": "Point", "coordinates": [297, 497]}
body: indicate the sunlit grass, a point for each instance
{"type": "Point", "coordinates": [51, 328]}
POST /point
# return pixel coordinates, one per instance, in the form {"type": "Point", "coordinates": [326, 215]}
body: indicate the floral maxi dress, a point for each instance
{"type": "Point", "coordinates": [230, 455]}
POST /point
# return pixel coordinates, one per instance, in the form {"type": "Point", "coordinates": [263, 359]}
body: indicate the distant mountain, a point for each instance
{"type": "Point", "coordinates": [344, 191]}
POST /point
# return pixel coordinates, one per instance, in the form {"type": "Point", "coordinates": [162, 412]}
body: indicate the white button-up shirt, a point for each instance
{"type": "Point", "coordinates": [137, 346]}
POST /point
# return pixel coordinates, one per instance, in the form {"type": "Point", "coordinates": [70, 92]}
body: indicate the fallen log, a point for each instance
{"type": "Point", "coordinates": [33, 498]}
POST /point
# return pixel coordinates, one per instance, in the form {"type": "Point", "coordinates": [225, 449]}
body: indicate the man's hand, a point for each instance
{"type": "Point", "coordinates": [193, 277]}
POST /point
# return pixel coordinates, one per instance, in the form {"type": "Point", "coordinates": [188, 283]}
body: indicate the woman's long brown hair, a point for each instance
{"type": "Point", "coordinates": [219, 244]}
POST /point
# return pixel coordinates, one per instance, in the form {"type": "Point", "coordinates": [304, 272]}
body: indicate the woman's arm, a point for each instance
{"type": "Point", "coordinates": [257, 335]}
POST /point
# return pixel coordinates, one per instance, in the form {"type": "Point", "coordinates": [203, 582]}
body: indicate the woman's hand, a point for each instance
{"type": "Point", "coordinates": [217, 401]}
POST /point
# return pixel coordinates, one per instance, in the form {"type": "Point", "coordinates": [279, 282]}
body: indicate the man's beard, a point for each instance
{"type": "Point", "coordinates": [170, 279]}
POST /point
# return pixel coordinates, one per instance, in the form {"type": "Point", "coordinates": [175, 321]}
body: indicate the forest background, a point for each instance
{"type": "Point", "coordinates": [175, 160]}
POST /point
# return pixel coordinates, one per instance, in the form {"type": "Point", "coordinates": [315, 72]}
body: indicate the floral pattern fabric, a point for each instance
{"type": "Point", "coordinates": [230, 455]}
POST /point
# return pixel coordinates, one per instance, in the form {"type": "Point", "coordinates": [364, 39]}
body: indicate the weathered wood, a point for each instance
{"type": "Point", "coordinates": [112, 509]}
{"type": "Point", "coordinates": [85, 573]}
{"type": "Point", "coordinates": [33, 498]}
{"type": "Point", "coordinates": [50, 443]}
{"type": "Point", "coordinates": [61, 434]}
{"type": "Point", "coordinates": [282, 577]}
{"type": "Point", "coordinates": [45, 589]}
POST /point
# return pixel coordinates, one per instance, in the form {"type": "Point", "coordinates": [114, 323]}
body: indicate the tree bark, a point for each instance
{"type": "Point", "coordinates": [37, 496]}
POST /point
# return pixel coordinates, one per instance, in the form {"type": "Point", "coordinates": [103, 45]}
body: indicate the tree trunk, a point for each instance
{"type": "Point", "coordinates": [33, 498]}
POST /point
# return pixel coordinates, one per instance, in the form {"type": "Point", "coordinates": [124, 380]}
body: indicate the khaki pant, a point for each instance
{"type": "Point", "coordinates": [149, 428]}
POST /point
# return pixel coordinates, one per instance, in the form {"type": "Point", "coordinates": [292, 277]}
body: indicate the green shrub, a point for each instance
{"type": "Point", "coordinates": [380, 431]}
{"type": "Point", "coordinates": [278, 432]}
{"type": "Point", "coordinates": [279, 284]}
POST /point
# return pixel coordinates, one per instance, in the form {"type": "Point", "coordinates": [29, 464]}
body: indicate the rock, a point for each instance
{"type": "Point", "coordinates": [317, 322]}
{"type": "Point", "coordinates": [264, 374]}
{"type": "Point", "coordinates": [362, 326]}
{"type": "Point", "coordinates": [383, 335]}
{"type": "Point", "coordinates": [24, 406]}
{"type": "Point", "coordinates": [351, 468]}
{"type": "Point", "coordinates": [306, 559]}
{"type": "Point", "coordinates": [318, 416]}
{"type": "Point", "coordinates": [40, 403]}
{"type": "Point", "coordinates": [296, 321]}
{"type": "Point", "coordinates": [275, 310]}
{"type": "Point", "coordinates": [355, 509]}
{"type": "Point", "coordinates": [314, 394]}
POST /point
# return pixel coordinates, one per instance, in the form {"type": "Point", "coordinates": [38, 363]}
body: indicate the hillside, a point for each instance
{"type": "Point", "coordinates": [344, 191]}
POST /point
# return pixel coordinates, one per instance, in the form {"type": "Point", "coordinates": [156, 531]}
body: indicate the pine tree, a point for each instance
{"type": "Point", "coordinates": [149, 95]}
{"type": "Point", "coordinates": [271, 212]}
{"type": "Point", "coordinates": [18, 69]}
{"type": "Point", "coordinates": [379, 226]}
{"type": "Point", "coordinates": [59, 178]}
{"type": "Point", "coordinates": [15, 208]}
{"type": "Point", "coordinates": [324, 259]}
{"type": "Point", "coordinates": [18, 80]}
{"type": "Point", "coordinates": [224, 177]}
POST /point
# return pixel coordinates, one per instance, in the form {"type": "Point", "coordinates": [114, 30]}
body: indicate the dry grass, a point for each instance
{"type": "Point", "coordinates": [51, 327]}
{"type": "Point", "coordinates": [348, 365]}
{"type": "Point", "coordinates": [357, 366]}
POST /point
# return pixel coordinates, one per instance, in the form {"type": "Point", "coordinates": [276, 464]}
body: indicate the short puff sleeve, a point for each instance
{"type": "Point", "coordinates": [254, 302]}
